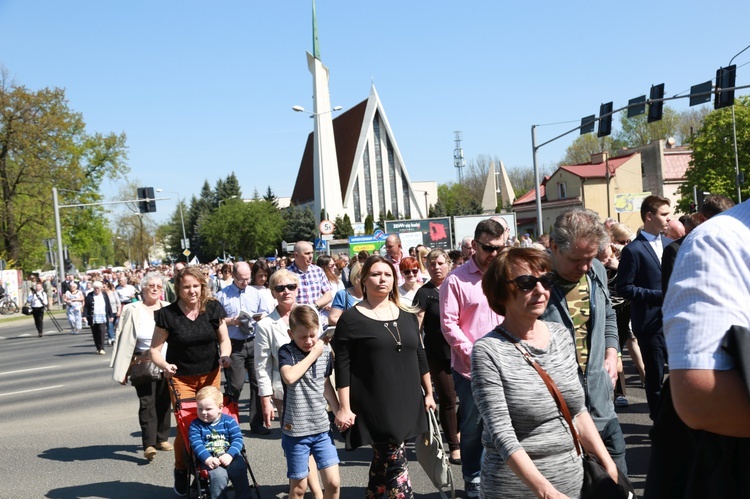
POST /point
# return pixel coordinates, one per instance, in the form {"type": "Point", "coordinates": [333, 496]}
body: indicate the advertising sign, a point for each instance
{"type": "Point", "coordinates": [465, 225]}
{"type": "Point", "coordinates": [432, 232]}
{"type": "Point", "coordinates": [371, 244]}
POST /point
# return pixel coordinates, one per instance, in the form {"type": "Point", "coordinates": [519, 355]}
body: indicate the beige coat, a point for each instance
{"type": "Point", "coordinates": [127, 338]}
{"type": "Point", "coordinates": [271, 333]}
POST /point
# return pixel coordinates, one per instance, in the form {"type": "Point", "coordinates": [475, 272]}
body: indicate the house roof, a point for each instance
{"type": "Point", "coordinates": [676, 163]}
{"type": "Point", "coordinates": [346, 130]}
{"type": "Point", "coordinates": [597, 170]}
{"type": "Point", "coordinates": [531, 195]}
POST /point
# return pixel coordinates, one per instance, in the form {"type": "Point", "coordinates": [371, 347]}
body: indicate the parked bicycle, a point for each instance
{"type": "Point", "coordinates": [8, 305]}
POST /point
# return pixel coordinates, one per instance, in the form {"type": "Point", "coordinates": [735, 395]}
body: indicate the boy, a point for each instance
{"type": "Point", "coordinates": [305, 365]}
{"type": "Point", "coordinates": [217, 442]}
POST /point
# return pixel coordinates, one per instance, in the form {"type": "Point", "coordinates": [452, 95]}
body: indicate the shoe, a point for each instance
{"type": "Point", "coordinates": [102, 352]}
{"type": "Point", "coordinates": [181, 482]}
{"type": "Point", "coordinates": [621, 401]}
{"type": "Point", "coordinates": [74, 332]}
{"type": "Point", "coordinates": [471, 490]}
{"type": "Point", "coordinates": [40, 335]}
{"type": "Point", "coordinates": [454, 460]}
{"type": "Point", "coordinates": [262, 430]}
{"type": "Point", "coordinates": [164, 446]}
{"type": "Point", "coordinates": [149, 453]}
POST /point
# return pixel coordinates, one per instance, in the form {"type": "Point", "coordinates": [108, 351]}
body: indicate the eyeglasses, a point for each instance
{"type": "Point", "coordinates": [623, 242]}
{"type": "Point", "coordinates": [487, 248]}
{"type": "Point", "coordinates": [528, 282]}
{"type": "Point", "coordinates": [410, 271]}
{"type": "Point", "coordinates": [155, 286]}
{"type": "Point", "coordinates": [281, 287]}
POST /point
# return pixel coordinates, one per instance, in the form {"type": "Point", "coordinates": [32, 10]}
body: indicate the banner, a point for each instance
{"type": "Point", "coordinates": [434, 232]}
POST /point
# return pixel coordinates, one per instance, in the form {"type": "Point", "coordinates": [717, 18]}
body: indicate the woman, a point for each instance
{"type": "Point", "coordinates": [134, 334]}
{"type": "Point", "coordinates": [192, 326]}
{"type": "Point", "coordinates": [74, 301]}
{"type": "Point", "coordinates": [528, 446]}
{"type": "Point", "coordinates": [438, 352]}
{"type": "Point", "coordinates": [99, 313]}
{"type": "Point", "coordinates": [225, 276]}
{"type": "Point", "coordinates": [409, 267]}
{"type": "Point", "coordinates": [422, 253]}
{"type": "Point", "coordinates": [259, 281]}
{"type": "Point", "coordinates": [114, 301]}
{"type": "Point", "coordinates": [271, 333]}
{"type": "Point", "coordinates": [381, 370]}
{"type": "Point", "coordinates": [38, 300]}
{"type": "Point", "coordinates": [328, 264]}
{"type": "Point", "coordinates": [346, 298]}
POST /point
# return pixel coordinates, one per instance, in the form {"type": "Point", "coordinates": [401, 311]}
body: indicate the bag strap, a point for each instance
{"type": "Point", "coordinates": [551, 386]}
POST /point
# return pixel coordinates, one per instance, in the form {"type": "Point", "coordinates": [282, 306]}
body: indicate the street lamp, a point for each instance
{"type": "Point", "coordinates": [185, 243]}
{"type": "Point", "coordinates": [426, 204]}
{"type": "Point", "coordinates": [734, 135]}
{"type": "Point", "coordinates": [227, 199]}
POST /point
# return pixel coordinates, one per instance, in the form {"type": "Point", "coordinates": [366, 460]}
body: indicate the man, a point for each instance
{"type": "Point", "coordinates": [169, 292]}
{"type": "Point", "coordinates": [125, 292]}
{"type": "Point", "coordinates": [675, 230]}
{"type": "Point", "coordinates": [314, 286]}
{"type": "Point", "coordinates": [466, 316]}
{"type": "Point", "coordinates": [708, 294]}
{"type": "Point", "coordinates": [580, 301]}
{"type": "Point", "coordinates": [639, 280]}
{"type": "Point", "coordinates": [346, 269]}
{"type": "Point", "coordinates": [241, 302]}
{"type": "Point", "coordinates": [394, 253]}
{"type": "Point", "coordinates": [467, 250]}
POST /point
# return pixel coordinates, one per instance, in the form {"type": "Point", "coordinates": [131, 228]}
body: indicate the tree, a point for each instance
{"type": "Point", "coordinates": [636, 131]}
{"type": "Point", "coordinates": [369, 224]}
{"type": "Point", "coordinates": [712, 168]}
{"type": "Point", "coordinates": [300, 224]}
{"type": "Point", "coordinates": [342, 227]}
{"type": "Point", "coordinates": [455, 199]}
{"type": "Point", "coordinates": [580, 151]}
{"type": "Point", "coordinates": [690, 122]}
{"type": "Point", "coordinates": [228, 188]}
{"type": "Point", "coordinates": [43, 143]}
{"type": "Point", "coordinates": [270, 197]}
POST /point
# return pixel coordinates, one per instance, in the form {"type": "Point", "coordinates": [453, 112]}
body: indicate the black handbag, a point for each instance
{"type": "Point", "coordinates": [597, 484]}
{"type": "Point", "coordinates": [26, 310]}
{"type": "Point", "coordinates": [142, 370]}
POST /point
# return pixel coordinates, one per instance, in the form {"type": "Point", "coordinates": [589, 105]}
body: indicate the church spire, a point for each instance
{"type": "Point", "coordinates": [316, 49]}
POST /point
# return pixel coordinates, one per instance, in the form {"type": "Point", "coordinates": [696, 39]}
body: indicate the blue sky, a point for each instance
{"type": "Point", "coordinates": [205, 88]}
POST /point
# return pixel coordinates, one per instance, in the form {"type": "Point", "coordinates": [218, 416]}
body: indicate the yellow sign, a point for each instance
{"type": "Point", "coordinates": [186, 252]}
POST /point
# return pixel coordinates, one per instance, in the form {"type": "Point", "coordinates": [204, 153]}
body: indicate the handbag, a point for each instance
{"type": "Point", "coordinates": [597, 484]}
{"type": "Point", "coordinates": [142, 370]}
{"type": "Point", "coordinates": [26, 310]}
{"type": "Point", "coordinates": [433, 458]}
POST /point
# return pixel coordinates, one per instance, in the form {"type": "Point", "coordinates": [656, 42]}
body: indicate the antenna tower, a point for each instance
{"type": "Point", "coordinates": [458, 157]}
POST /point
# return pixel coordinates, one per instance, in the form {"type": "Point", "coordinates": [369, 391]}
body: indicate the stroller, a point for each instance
{"type": "Point", "coordinates": [185, 411]}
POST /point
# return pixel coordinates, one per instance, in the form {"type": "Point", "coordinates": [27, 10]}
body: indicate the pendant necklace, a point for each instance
{"type": "Point", "coordinates": [395, 324]}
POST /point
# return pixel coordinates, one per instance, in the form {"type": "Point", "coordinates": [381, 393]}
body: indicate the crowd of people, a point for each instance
{"type": "Point", "coordinates": [408, 331]}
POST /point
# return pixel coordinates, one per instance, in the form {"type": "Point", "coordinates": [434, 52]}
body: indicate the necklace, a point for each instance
{"type": "Point", "coordinates": [395, 324]}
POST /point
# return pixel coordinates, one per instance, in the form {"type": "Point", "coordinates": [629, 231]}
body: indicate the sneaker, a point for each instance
{"type": "Point", "coordinates": [181, 482]}
{"type": "Point", "coordinates": [149, 453]}
{"type": "Point", "coordinates": [471, 490]}
{"type": "Point", "coordinates": [164, 446]}
{"type": "Point", "coordinates": [621, 401]}
{"type": "Point", "coordinates": [102, 352]}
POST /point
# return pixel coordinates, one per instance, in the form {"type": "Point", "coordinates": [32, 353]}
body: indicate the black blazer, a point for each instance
{"type": "Point", "coordinates": [88, 307]}
{"type": "Point", "coordinates": [639, 280]}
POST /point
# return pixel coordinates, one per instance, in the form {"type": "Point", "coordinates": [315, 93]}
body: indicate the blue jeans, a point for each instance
{"type": "Point", "coordinates": [471, 430]}
{"type": "Point", "coordinates": [219, 480]}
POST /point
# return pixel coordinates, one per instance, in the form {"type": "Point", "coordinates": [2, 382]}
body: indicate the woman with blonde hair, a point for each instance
{"type": "Point", "coordinates": [347, 298]}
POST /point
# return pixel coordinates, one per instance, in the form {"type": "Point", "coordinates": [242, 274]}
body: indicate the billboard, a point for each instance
{"type": "Point", "coordinates": [465, 225]}
{"type": "Point", "coordinates": [432, 232]}
{"type": "Point", "coordinates": [371, 244]}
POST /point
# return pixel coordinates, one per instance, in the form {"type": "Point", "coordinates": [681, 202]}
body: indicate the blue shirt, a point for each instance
{"type": "Point", "coordinates": [236, 300]}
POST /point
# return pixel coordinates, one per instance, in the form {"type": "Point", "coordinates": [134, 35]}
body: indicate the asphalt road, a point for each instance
{"type": "Point", "coordinates": [68, 431]}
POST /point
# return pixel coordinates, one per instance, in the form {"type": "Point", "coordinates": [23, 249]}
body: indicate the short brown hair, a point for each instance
{"type": "Point", "coordinates": [304, 316]}
{"type": "Point", "coordinates": [652, 203]}
{"type": "Point", "coordinates": [495, 283]}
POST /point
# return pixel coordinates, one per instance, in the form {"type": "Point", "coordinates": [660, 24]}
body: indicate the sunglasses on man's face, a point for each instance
{"type": "Point", "coordinates": [410, 271]}
{"type": "Point", "coordinates": [488, 248]}
{"type": "Point", "coordinates": [281, 287]}
{"type": "Point", "coordinates": [527, 283]}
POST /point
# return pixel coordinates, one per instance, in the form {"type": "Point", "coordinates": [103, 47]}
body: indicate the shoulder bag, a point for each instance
{"type": "Point", "coordinates": [142, 370]}
{"type": "Point", "coordinates": [433, 458]}
{"type": "Point", "coordinates": [597, 484]}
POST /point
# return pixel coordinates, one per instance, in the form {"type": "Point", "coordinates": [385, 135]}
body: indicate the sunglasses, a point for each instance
{"type": "Point", "coordinates": [489, 248]}
{"type": "Point", "coordinates": [527, 283]}
{"type": "Point", "coordinates": [281, 287]}
{"type": "Point", "coordinates": [411, 271]}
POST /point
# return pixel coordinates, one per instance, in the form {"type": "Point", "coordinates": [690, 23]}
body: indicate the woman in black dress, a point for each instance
{"type": "Point", "coordinates": [381, 370]}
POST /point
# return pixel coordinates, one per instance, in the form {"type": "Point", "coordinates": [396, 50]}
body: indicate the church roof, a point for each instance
{"type": "Point", "coordinates": [346, 130]}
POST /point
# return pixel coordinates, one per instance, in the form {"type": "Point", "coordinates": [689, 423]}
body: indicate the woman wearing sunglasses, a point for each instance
{"type": "Point", "coordinates": [409, 268]}
{"type": "Point", "coordinates": [271, 333]}
{"type": "Point", "coordinates": [528, 446]}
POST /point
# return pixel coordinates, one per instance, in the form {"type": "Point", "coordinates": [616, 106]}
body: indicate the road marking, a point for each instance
{"type": "Point", "coordinates": [28, 370]}
{"type": "Point", "coordinates": [29, 391]}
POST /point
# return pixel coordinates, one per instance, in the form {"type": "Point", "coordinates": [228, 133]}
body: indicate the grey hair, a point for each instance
{"type": "Point", "coordinates": [579, 224]}
{"type": "Point", "coordinates": [150, 277]}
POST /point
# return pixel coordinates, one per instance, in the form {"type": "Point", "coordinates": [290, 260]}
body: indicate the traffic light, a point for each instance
{"type": "Point", "coordinates": [655, 109]}
{"type": "Point", "coordinates": [605, 120]}
{"type": "Point", "coordinates": [146, 202]}
{"type": "Point", "coordinates": [587, 124]}
{"type": "Point", "coordinates": [725, 78]}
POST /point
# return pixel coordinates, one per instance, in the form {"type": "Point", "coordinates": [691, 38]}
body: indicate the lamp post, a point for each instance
{"type": "Point", "coordinates": [426, 213]}
{"type": "Point", "coordinates": [318, 149]}
{"type": "Point", "coordinates": [734, 136]}
{"type": "Point", "coordinates": [185, 243]}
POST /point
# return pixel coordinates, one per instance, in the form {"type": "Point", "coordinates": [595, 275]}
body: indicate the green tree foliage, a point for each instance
{"type": "Point", "coordinates": [200, 208]}
{"type": "Point", "coordinates": [369, 225]}
{"type": "Point", "coordinates": [636, 131]}
{"type": "Point", "coordinates": [342, 227]}
{"type": "Point", "coordinates": [712, 168]}
{"type": "Point", "coordinates": [43, 143]}
{"type": "Point", "coordinates": [580, 151]}
{"type": "Point", "coordinates": [300, 224]}
{"type": "Point", "coordinates": [247, 230]}
{"type": "Point", "coordinates": [270, 197]}
{"type": "Point", "coordinates": [455, 199]}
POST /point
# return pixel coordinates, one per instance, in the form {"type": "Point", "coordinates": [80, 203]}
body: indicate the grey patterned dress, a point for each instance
{"type": "Point", "coordinates": [519, 412]}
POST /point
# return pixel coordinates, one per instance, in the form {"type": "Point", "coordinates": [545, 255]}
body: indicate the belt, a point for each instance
{"type": "Point", "coordinates": [249, 338]}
